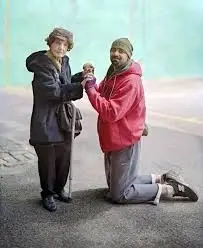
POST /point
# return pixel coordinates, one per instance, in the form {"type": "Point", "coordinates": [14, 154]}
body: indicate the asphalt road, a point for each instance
{"type": "Point", "coordinates": [89, 221]}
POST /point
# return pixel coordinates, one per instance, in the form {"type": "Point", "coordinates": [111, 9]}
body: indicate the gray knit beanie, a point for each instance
{"type": "Point", "coordinates": [124, 44]}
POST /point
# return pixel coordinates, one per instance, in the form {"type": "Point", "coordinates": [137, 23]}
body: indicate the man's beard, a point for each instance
{"type": "Point", "coordinates": [115, 61]}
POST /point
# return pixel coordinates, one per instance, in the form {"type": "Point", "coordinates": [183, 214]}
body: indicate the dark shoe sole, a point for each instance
{"type": "Point", "coordinates": [49, 209]}
{"type": "Point", "coordinates": [188, 191]}
{"type": "Point", "coordinates": [66, 200]}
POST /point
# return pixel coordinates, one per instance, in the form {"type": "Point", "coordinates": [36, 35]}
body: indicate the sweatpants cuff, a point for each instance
{"type": "Point", "coordinates": [153, 178]}
{"type": "Point", "coordinates": [158, 195]}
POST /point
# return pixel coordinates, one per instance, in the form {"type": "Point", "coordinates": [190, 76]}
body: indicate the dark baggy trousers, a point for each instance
{"type": "Point", "coordinates": [53, 166]}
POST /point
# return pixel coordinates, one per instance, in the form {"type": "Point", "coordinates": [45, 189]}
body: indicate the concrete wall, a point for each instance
{"type": "Point", "coordinates": [167, 34]}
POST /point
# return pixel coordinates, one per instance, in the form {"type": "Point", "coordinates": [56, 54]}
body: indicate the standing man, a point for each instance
{"type": "Point", "coordinates": [51, 87]}
{"type": "Point", "coordinates": [120, 103]}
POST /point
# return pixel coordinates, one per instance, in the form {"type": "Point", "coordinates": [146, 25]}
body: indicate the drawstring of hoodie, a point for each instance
{"type": "Point", "coordinates": [105, 84]}
{"type": "Point", "coordinates": [114, 82]}
{"type": "Point", "coordinates": [114, 72]}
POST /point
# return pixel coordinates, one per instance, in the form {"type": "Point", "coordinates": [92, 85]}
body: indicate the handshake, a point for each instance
{"type": "Point", "coordinates": [89, 80]}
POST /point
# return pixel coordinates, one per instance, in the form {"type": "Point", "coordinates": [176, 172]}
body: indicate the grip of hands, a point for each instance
{"type": "Point", "coordinates": [89, 81]}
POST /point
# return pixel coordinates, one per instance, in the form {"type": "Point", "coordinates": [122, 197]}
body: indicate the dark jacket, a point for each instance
{"type": "Point", "coordinates": [50, 88]}
{"type": "Point", "coordinates": [78, 77]}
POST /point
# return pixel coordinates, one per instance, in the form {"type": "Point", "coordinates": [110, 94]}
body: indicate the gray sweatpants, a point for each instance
{"type": "Point", "coordinates": [121, 168]}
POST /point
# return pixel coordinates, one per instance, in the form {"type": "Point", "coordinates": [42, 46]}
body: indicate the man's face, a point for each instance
{"type": "Point", "coordinates": [59, 48]}
{"type": "Point", "coordinates": [118, 57]}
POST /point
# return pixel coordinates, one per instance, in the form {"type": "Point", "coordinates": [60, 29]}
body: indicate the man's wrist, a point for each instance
{"type": "Point", "coordinates": [90, 87]}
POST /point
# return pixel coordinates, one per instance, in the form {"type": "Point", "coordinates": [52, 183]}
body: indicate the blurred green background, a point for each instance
{"type": "Point", "coordinates": [167, 34]}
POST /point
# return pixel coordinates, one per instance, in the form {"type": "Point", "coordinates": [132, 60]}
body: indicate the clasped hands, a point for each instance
{"type": "Point", "coordinates": [89, 81]}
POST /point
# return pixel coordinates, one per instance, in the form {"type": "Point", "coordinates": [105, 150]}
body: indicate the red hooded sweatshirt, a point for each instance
{"type": "Point", "coordinates": [120, 103]}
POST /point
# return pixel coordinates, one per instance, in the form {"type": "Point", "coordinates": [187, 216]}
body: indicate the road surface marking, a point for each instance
{"type": "Point", "coordinates": [175, 117]}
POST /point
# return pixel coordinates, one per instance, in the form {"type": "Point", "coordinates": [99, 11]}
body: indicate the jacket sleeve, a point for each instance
{"type": "Point", "coordinates": [77, 78]}
{"type": "Point", "coordinates": [120, 102]}
{"type": "Point", "coordinates": [47, 87]}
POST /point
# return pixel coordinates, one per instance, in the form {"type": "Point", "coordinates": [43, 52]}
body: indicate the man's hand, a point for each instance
{"type": "Point", "coordinates": [89, 81]}
{"type": "Point", "coordinates": [83, 83]}
{"type": "Point", "coordinates": [89, 75]}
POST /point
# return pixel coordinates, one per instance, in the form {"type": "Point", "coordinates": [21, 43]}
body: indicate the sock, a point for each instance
{"type": "Point", "coordinates": [167, 190]}
{"type": "Point", "coordinates": [159, 193]}
{"type": "Point", "coordinates": [159, 179]}
{"type": "Point", "coordinates": [156, 178]}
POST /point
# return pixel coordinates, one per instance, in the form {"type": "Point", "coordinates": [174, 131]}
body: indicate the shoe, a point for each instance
{"type": "Point", "coordinates": [49, 203]}
{"type": "Point", "coordinates": [63, 196]}
{"type": "Point", "coordinates": [181, 188]}
{"type": "Point", "coordinates": [171, 175]}
{"type": "Point", "coordinates": [107, 194]}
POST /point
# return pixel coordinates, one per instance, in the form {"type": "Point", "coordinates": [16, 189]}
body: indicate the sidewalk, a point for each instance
{"type": "Point", "coordinates": [89, 221]}
{"type": "Point", "coordinates": [14, 155]}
